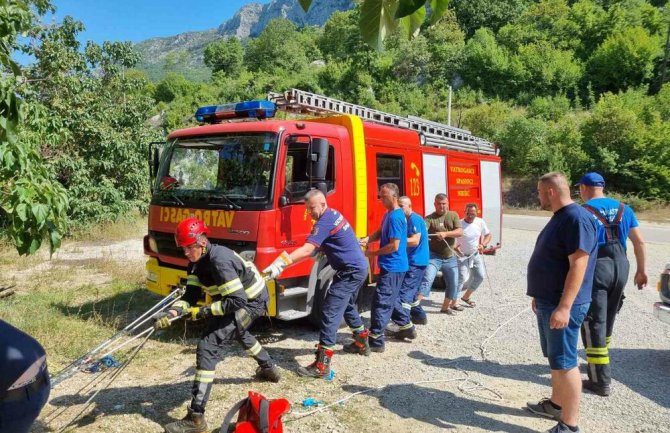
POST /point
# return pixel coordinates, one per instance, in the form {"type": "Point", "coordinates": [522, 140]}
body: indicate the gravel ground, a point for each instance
{"type": "Point", "coordinates": [472, 372]}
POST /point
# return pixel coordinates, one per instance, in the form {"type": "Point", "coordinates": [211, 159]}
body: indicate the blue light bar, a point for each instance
{"type": "Point", "coordinates": [259, 109]}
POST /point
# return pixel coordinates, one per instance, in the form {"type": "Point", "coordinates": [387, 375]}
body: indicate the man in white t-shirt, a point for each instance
{"type": "Point", "coordinates": [476, 236]}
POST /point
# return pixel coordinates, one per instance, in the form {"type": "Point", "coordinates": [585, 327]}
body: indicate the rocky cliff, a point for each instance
{"type": "Point", "coordinates": [184, 52]}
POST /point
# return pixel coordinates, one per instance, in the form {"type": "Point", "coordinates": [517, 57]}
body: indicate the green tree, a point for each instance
{"type": "Point", "coordinates": [280, 46]}
{"type": "Point", "coordinates": [225, 55]}
{"type": "Point", "coordinates": [380, 18]}
{"type": "Point", "coordinates": [625, 59]}
{"type": "Point", "coordinates": [95, 128]}
{"type": "Point", "coordinates": [492, 14]}
{"type": "Point", "coordinates": [32, 204]}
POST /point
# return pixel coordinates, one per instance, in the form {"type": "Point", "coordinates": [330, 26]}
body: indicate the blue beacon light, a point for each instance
{"type": "Point", "coordinates": [259, 109]}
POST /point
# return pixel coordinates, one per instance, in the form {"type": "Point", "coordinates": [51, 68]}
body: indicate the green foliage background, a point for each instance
{"type": "Point", "coordinates": [557, 84]}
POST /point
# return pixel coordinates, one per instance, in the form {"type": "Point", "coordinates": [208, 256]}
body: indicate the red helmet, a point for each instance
{"type": "Point", "coordinates": [188, 230]}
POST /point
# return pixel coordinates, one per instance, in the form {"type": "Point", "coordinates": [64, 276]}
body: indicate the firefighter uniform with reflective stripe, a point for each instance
{"type": "Point", "coordinates": [239, 296]}
{"type": "Point", "coordinates": [611, 274]}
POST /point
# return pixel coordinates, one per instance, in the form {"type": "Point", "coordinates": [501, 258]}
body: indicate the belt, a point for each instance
{"type": "Point", "coordinates": [20, 393]}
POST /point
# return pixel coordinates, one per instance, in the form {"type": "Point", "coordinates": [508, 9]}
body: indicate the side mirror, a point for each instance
{"type": "Point", "coordinates": [283, 201]}
{"type": "Point", "coordinates": [154, 157]}
{"type": "Point", "coordinates": [318, 163]}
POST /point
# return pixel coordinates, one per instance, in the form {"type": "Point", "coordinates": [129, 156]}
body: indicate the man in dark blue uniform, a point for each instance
{"type": "Point", "coordinates": [418, 255]}
{"type": "Point", "coordinates": [239, 296]}
{"type": "Point", "coordinates": [333, 236]}
{"type": "Point", "coordinates": [392, 262]}
{"type": "Point", "coordinates": [560, 277]}
{"type": "Point", "coordinates": [24, 379]}
{"type": "Point", "coordinates": [615, 223]}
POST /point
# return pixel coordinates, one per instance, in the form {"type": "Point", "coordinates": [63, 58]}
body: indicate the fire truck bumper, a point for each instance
{"type": "Point", "coordinates": [161, 279]}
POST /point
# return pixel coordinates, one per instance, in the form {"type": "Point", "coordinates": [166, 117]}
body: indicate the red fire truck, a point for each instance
{"type": "Point", "coordinates": [246, 180]}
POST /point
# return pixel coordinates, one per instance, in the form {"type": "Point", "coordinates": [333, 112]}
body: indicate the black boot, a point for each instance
{"type": "Point", "coordinates": [320, 368]}
{"type": "Point", "coordinates": [193, 422]}
{"type": "Point", "coordinates": [271, 374]}
{"type": "Point", "coordinates": [360, 344]}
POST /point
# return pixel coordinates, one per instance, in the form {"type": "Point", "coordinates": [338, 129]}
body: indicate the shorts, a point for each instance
{"type": "Point", "coordinates": [560, 345]}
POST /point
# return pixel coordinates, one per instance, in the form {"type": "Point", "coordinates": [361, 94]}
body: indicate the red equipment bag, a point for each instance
{"type": "Point", "coordinates": [257, 414]}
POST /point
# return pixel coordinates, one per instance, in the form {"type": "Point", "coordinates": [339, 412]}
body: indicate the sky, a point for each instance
{"type": "Point", "coordinates": [137, 20]}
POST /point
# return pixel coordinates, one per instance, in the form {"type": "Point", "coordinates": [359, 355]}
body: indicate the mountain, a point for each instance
{"type": "Point", "coordinates": [184, 52]}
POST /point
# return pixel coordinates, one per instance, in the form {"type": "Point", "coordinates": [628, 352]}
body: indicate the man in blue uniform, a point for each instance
{"type": "Point", "coordinates": [392, 262]}
{"type": "Point", "coordinates": [333, 236]}
{"type": "Point", "coordinates": [24, 379]}
{"type": "Point", "coordinates": [560, 276]}
{"type": "Point", "coordinates": [239, 296]}
{"type": "Point", "coordinates": [417, 254]}
{"type": "Point", "coordinates": [615, 222]}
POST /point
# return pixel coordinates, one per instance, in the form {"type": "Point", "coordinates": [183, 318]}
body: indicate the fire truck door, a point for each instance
{"type": "Point", "coordinates": [491, 199]}
{"type": "Point", "coordinates": [434, 179]}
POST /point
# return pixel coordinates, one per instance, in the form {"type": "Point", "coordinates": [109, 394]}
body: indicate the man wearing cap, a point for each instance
{"type": "Point", "coordinates": [615, 222]}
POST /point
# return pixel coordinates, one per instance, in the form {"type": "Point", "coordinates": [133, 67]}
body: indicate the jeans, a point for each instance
{"type": "Point", "coordinates": [560, 345]}
{"type": "Point", "coordinates": [449, 268]}
{"type": "Point", "coordinates": [470, 272]}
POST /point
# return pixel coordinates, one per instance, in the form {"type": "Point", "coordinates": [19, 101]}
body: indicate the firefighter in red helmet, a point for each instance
{"type": "Point", "coordinates": [239, 296]}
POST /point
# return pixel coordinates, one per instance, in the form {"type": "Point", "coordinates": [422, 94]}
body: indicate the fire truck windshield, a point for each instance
{"type": "Point", "coordinates": [227, 171]}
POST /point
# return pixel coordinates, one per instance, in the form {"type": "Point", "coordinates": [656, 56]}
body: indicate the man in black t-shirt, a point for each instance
{"type": "Point", "coordinates": [560, 276]}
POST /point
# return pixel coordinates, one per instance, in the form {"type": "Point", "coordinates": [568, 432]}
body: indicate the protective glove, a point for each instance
{"type": "Point", "coordinates": [277, 267]}
{"type": "Point", "coordinates": [162, 320]}
{"type": "Point", "coordinates": [198, 313]}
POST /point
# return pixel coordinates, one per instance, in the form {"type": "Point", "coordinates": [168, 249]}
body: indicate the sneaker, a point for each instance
{"type": "Point", "coordinates": [562, 428]}
{"type": "Point", "coordinates": [602, 391]}
{"type": "Point", "coordinates": [544, 408]}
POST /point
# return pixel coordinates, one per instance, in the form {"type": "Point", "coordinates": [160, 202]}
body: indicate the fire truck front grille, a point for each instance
{"type": "Point", "coordinates": [167, 247]}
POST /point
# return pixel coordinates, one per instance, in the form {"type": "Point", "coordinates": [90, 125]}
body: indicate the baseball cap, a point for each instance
{"type": "Point", "coordinates": [591, 179]}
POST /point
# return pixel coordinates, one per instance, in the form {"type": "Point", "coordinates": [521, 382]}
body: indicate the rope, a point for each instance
{"type": "Point", "coordinates": [88, 402]}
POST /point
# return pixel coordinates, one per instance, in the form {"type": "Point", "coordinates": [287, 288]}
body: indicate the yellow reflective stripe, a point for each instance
{"type": "Point", "coordinates": [255, 289]}
{"type": "Point", "coordinates": [204, 376]}
{"type": "Point", "coordinates": [182, 304]}
{"type": "Point", "coordinates": [212, 290]}
{"type": "Point", "coordinates": [217, 309]}
{"type": "Point", "coordinates": [193, 280]}
{"type": "Point", "coordinates": [408, 326]}
{"type": "Point", "coordinates": [255, 349]}
{"type": "Point", "coordinates": [596, 350]}
{"type": "Point", "coordinates": [608, 340]}
{"type": "Point", "coordinates": [231, 286]}
{"type": "Point", "coordinates": [598, 360]}
{"type": "Point", "coordinates": [415, 303]}
{"type": "Point", "coordinates": [406, 306]}
{"type": "Point", "coordinates": [359, 329]}
{"type": "Point", "coordinates": [374, 336]}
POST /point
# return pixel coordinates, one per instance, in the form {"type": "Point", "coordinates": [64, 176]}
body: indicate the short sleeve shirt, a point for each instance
{"type": "Point", "coordinates": [394, 226]}
{"type": "Point", "coordinates": [336, 239]}
{"type": "Point", "coordinates": [472, 233]}
{"type": "Point", "coordinates": [571, 228]}
{"type": "Point", "coordinates": [418, 255]}
{"type": "Point", "coordinates": [442, 223]}
{"type": "Point", "coordinates": [608, 208]}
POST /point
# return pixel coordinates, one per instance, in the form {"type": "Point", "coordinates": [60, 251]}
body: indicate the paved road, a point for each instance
{"type": "Point", "coordinates": [653, 233]}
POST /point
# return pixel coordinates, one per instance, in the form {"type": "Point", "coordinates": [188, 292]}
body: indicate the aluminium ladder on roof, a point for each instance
{"type": "Point", "coordinates": [434, 134]}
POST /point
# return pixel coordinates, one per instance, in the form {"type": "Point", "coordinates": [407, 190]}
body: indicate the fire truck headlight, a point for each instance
{"type": "Point", "coordinates": [153, 245]}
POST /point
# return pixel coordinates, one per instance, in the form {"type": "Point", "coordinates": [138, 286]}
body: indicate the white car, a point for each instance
{"type": "Point", "coordinates": [662, 309]}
